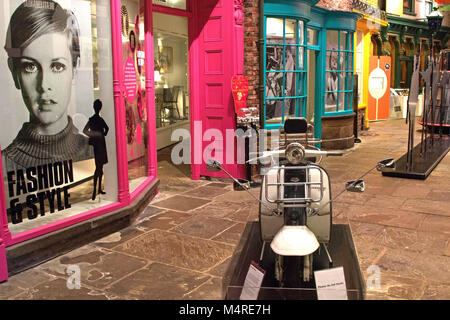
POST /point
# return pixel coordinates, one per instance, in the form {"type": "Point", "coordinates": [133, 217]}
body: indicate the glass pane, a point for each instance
{"type": "Point", "coordinates": [406, 5]}
{"type": "Point", "coordinates": [350, 62]}
{"type": "Point", "coordinates": [274, 110]}
{"type": "Point", "coordinates": [274, 30]}
{"type": "Point", "coordinates": [58, 77]}
{"type": "Point", "coordinates": [171, 70]}
{"type": "Point", "coordinates": [343, 62]}
{"type": "Point", "coordinates": [291, 57]}
{"type": "Point", "coordinates": [301, 58]}
{"type": "Point", "coordinates": [290, 84]}
{"type": "Point", "coordinates": [274, 84]}
{"type": "Point", "coordinates": [135, 100]}
{"type": "Point", "coordinates": [341, 101]}
{"type": "Point", "coordinates": [342, 81]}
{"type": "Point", "coordinates": [332, 39]}
{"type": "Point", "coordinates": [179, 4]}
{"type": "Point", "coordinates": [291, 31]}
{"type": "Point", "coordinates": [274, 58]}
{"type": "Point", "coordinates": [331, 84]}
{"type": "Point", "coordinates": [349, 98]}
{"type": "Point", "coordinates": [343, 40]}
{"type": "Point", "coordinates": [332, 60]}
{"type": "Point", "coordinates": [312, 56]}
{"type": "Point", "coordinates": [313, 37]}
{"type": "Point", "coordinates": [302, 79]}
{"type": "Point", "coordinates": [289, 108]}
{"type": "Point", "coordinates": [329, 98]}
{"type": "Point", "coordinates": [301, 33]}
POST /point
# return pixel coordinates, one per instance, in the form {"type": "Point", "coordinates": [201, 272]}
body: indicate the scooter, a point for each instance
{"type": "Point", "coordinates": [295, 211]}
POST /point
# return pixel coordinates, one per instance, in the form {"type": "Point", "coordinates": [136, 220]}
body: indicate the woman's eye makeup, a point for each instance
{"type": "Point", "coordinates": [29, 67]}
{"type": "Point", "coordinates": [58, 67]}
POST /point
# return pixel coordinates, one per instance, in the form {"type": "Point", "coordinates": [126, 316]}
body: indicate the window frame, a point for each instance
{"type": "Point", "coordinates": [411, 10]}
{"type": "Point", "coordinates": [300, 96]}
{"type": "Point", "coordinates": [348, 89]}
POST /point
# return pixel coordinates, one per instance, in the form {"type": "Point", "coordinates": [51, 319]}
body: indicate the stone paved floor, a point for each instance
{"type": "Point", "coordinates": [181, 245]}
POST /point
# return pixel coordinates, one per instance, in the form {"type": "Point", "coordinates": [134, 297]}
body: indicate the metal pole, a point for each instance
{"type": "Point", "coordinates": [431, 87]}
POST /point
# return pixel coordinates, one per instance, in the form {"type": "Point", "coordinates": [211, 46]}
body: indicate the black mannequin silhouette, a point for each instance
{"type": "Point", "coordinates": [97, 129]}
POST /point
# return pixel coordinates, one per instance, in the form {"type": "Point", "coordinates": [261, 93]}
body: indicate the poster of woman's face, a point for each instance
{"type": "Point", "coordinates": [47, 81]}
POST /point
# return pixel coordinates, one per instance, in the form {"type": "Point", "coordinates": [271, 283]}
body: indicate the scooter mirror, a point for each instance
{"type": "Point", "coordinates": [355, 186]}
{"type": "Point", "coordinates": [213, 165]}
{"type": "Point", "coordinates": [242, 185]}
{"type": "Point", "coordinates": [386, 163]}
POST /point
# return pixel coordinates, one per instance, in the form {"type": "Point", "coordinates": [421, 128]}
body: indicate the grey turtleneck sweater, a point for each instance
{"type": "Point", "coordinates": [30, 149]}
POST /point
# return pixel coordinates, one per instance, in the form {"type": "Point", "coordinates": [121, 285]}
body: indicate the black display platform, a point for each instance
{"type": "Point", "coordinates": [423, 165]}
{"type": "Point", "coordinates": [342, 251]}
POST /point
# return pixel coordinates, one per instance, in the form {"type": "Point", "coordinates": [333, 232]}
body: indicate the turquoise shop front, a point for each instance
{"type": "Point", "coordinates": [307, 68]}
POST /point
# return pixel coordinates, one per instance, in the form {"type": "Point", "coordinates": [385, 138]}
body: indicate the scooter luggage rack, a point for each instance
{"type": "Point", "coordinates": [306, 139]}
{"type": "Point", "coordinates": [296, 202]}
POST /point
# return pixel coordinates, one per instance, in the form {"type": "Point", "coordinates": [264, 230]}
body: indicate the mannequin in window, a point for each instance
{"type": "Point", "coordinates": [97, 129]}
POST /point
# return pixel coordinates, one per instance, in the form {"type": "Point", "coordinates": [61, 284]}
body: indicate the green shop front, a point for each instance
{"type": "Point", "coordinates": [404, 38]}
{"type": "Point", "coordinates": [307, 68]}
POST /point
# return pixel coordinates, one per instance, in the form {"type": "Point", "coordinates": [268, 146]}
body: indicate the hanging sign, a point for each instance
{"type": "Point", "coordinates": [130, 80]}
{"type": "Point", "coordinates": [379, 84]}
{"type": "Point", "coordinates": [239, 87]}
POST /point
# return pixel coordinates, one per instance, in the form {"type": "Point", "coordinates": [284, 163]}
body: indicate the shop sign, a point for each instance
{"type": "Point", "coordinates": [240, 91]}
{"type": "Point", "coordinates": [130, 80]}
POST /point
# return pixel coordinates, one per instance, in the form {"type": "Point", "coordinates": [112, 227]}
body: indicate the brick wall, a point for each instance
{"type": "Point", "coordinates": [251, 50]}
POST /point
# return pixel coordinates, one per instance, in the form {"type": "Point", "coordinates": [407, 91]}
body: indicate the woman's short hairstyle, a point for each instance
{"type": "Point", "coordinates": [98, 105]}
{"type": "Point", "coordinates": [34, 18]}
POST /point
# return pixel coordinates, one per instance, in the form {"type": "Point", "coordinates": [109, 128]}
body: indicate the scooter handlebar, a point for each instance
{"type": "Point", "coordinates": [308, 153]}
{"type": "Point", "coordinates": [312, 153]}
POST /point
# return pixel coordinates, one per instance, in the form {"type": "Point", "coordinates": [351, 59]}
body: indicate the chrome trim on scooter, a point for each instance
{"type": "Point", "coordinates": [296, 202]}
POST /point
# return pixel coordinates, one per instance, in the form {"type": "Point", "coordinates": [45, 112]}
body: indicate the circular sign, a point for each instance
{"type": "Point", "coordinates": [377, 83]}
{"type": "Point", "coordinates": [130, 80]}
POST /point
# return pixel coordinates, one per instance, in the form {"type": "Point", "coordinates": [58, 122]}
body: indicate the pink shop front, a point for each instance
{"type": "Point", "coordinates": [91, 89]}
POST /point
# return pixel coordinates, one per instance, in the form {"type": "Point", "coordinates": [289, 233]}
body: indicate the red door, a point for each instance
{"type": "Point", "coordinates": [214, 52]}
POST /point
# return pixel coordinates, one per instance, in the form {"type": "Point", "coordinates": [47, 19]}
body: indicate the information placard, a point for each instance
{"type": "Point", "coordinates": [252, 283]}
{"type": "Point", "coordinates": [330, 284]}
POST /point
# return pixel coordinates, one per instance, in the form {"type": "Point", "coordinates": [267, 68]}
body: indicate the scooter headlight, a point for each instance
{"type": "Point", "coordinates": [295, 153]}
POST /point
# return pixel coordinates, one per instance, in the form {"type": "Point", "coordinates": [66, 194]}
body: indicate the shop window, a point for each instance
{"type": "Point", "coordinates": [135, 94]}
{"type": "Point", "coordinates": [284, 70]}
{"type": "Point", "coordinates": [56, 66]}
{"type": "Point", "coordinates": [339, 72]}
{"type": "Point", "coordinates": [178, 4]}
{"type": "Point", "coordinates": [408, 6]}
{"type": "Point", "coordinates": [171, 63]}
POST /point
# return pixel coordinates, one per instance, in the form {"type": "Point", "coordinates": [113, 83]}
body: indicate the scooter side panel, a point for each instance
{"type": "Point", "coordinates": [270, 224]}
{"type": "Point", "coordinates": [320, 224]}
